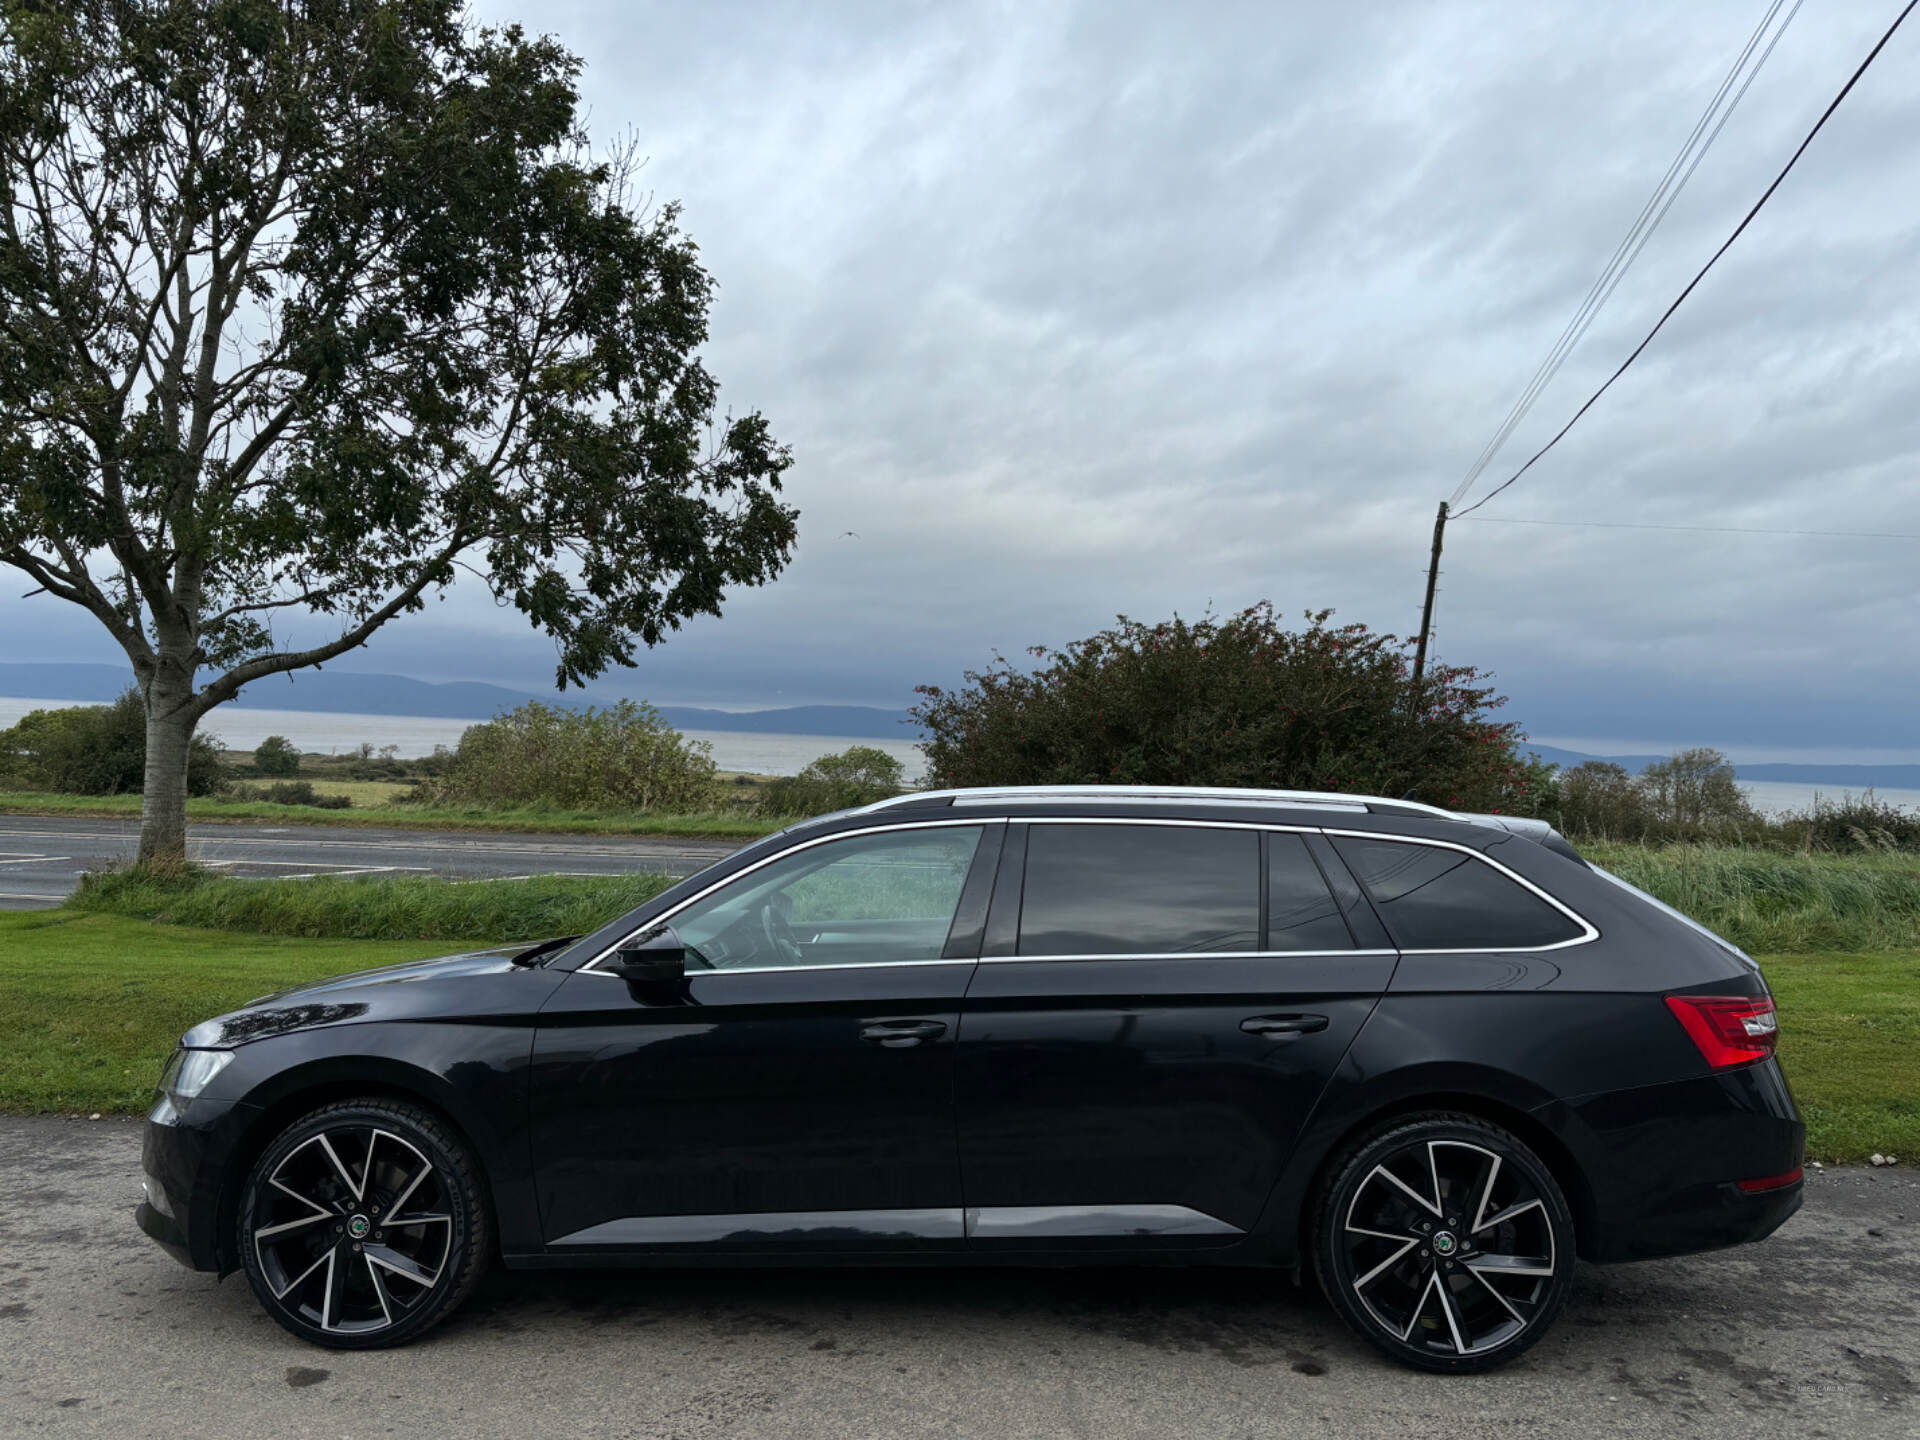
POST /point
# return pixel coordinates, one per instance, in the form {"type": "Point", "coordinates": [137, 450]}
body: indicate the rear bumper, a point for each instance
{"type": "Point", "coordinates": [1663, 1162]}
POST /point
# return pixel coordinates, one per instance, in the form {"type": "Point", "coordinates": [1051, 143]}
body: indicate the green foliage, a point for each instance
{"type": "Point", "coordinates": [277, 758]}
{"type": "Point", "coordinates": [541, 755]}
{"type": "Point", "coordinates": [304, 307]}
{"type": "Point", "coordinates": [291, 792]}
{"type": "Point", "coordinates": [487, 912]}
{"type": "Point", "coordinates": [1778, 902]}
{"type": "Point", "coordinates": [1239, 702]}
{"type": "Point", "coordinates": [858, 775]}
{"type": "Point", "coordinates": [96, 750]}
{"type": "Point", "coordinates": [1695, 798]}
{"type": "Point", "coordinates": [1695, 790]}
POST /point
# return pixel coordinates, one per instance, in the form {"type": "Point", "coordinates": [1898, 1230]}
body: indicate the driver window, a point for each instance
{"type": "Point", "coordinates": [867, 900]}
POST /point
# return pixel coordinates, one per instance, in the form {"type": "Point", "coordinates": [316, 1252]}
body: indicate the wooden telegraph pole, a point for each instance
{"type": "Point", "coordinates": [1426, 612]}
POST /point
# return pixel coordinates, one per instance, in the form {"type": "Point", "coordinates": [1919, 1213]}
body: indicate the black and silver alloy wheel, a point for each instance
{"type": "Point", "coordinates": [1446, 1243]}
{"type": "Point", "coordinates": [363, 1224]}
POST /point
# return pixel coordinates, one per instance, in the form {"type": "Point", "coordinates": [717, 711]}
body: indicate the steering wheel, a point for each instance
{"type": "Point", "coordinates": [777, 929]}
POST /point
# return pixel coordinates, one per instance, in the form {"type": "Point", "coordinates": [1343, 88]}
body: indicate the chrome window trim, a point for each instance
{"type": "Point", "coordinates": [667, 915]}
{"type": "Point", "coordinates": [1590, 932]}
{"type": "Point", "coordinates": [789, 969]}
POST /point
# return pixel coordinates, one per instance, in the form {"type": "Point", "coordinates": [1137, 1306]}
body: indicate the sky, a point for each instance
{"type": "Point", "coordinates": [1076, 310]}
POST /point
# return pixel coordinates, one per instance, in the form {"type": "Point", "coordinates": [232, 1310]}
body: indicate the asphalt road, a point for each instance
{"type": "Point", "coordinates": [1814, 1333]}
{"type": "Point", "coordinates": [42, 858]}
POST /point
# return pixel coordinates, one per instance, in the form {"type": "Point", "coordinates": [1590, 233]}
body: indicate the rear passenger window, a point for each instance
{"type": "Point", "coordinates": [1139, 890]}
{"type": "Point", "coordinates": [1438, 899]}
{"type": "Point", "coordinates": [1300, 911]}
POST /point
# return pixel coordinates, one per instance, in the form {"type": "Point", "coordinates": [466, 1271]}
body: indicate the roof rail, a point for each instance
{"type": "Point", "coordinates": [1160, 794]}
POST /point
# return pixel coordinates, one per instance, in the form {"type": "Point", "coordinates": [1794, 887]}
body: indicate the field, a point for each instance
{"type": "Point", "coordinates": [726, 824]}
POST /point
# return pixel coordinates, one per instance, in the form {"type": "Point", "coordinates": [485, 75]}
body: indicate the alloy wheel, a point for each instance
{"type": "Point", "coordinates": [1450, 1250]}
{"type": "Point", "coordinates": [352, 1230]}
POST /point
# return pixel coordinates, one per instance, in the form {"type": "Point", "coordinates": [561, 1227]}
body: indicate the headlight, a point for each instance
{"type": "Point", "coordinates": [190, 1071]}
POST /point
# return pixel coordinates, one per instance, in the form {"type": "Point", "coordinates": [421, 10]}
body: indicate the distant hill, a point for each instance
{"type": "Point", "coordinates": [335, 692]}
{"type": "Point", "coordinates": [1841, 777]}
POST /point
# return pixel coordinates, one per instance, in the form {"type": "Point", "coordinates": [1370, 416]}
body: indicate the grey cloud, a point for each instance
{"type": "Point", "coordinates": [1072, 310]}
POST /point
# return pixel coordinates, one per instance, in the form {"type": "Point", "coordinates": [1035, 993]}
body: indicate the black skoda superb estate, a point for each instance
{"type": "Point", "coordinates": [1435, 1057]}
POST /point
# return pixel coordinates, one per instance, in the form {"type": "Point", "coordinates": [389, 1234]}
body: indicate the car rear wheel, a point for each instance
{"type": "Point", "coordinates": [364, 1224]}
{"type": "Point", "coordinates": [1444, 1242]}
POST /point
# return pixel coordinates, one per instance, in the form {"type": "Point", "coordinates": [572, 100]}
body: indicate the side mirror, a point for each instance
{"type": "Point", "coordinates": [653, 957]}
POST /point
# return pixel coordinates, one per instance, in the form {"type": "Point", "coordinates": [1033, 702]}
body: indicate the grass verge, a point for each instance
{"type": "Point", "coordinates": [1769, 902]}
{"type": "Point", "coordinates": [413, 907]}
{"type": "Point", "coordinates": [1849, 1030]}
{"type": "Point", "coordinates": [716, 825]}
{"type": "Point", "coordinates": [90, 1005]}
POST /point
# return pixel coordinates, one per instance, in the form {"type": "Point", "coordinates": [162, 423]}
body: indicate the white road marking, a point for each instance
{"type": "Point", "coordinates": [34, 859]}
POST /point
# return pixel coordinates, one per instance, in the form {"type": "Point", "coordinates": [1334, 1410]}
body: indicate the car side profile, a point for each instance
{"type": "Point", "coordinates": [1432, 1058]}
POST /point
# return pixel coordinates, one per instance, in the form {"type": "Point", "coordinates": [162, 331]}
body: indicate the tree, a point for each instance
{"type": "Point", "coordinates": [1601, 799]}
{"type": "Point", "coordinates": [277, 757]}
{"type": "Point", "coordinates": [306, 305]}
{"type": "Point", "coordinates": [1236, 702]}
{"type": "Point", "coordinates": [543, 755]}
{"type": "Point", "coordinates": [858, 775]}
{"type": "Point", "coordinates": [1696, 789]}
{"type": "Point", "coordinates": [96, 750]}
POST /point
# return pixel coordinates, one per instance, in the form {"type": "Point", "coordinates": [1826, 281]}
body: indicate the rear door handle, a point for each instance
{"type": "Point", "coordinates": [1279, 1027]}
{"type": "Point", "coordinates": [898, 1034]}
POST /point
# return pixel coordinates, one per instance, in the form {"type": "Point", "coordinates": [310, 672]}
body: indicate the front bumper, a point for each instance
{"type": "Point", "coordinates": [1663, 1161]}
{"type": "Point", "coordinates": [183, 1157]}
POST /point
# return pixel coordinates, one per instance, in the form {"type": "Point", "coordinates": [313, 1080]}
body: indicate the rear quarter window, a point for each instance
{"type": "Point", "coordinates": [1433, 898]}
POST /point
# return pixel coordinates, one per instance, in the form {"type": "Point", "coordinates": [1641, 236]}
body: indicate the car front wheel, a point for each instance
{"type": "Point", "coordinates": [364, 1224]}
{"type": "Point", "coordinates": [1445, 1242]}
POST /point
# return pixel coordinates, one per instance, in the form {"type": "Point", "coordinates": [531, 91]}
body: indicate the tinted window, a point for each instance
{"type": "Point", "coordinates": [1139, 890]}
{"type": "Point", "coordinates": [1436, 899]}
{"type": "Point", "coordinates": [866, 900]}
{"type": "Point", "coordinates": [1300, 910]}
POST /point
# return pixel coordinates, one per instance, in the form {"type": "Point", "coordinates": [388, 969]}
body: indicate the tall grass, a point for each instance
{"type": "Point", "coordinates": [1775, 902]}
{"type": "Point", "coordinates": [375, 908]}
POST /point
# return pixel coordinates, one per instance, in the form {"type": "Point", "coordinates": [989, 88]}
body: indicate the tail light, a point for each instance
{"type": "Point", "coordinates": [1729, 1029]}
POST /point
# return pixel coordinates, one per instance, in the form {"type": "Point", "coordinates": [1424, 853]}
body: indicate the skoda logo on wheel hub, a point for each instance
{"type": "Point", "coordinates": [1444, 1244]}
{"type": "Point", "coordinates": [358, 1227]}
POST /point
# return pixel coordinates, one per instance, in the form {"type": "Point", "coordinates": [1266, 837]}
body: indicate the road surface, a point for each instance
{"type": "Point", "coordinates": [1813, 1333]}
{"type": "Point", "coordinates": [42, 858]}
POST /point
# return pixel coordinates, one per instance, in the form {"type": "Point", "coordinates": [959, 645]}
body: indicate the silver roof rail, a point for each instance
{"type": "Point", "coordinates": [1160, 794]}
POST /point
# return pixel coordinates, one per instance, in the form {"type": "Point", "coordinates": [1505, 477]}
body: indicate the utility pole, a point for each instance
{"type": "Point", "coordinates": [1426, 612]}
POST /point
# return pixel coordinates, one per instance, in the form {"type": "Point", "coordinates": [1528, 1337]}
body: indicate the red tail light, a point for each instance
{"type": "Point", "coordinates": [1772, 1182]}
{"type": "Point", "coordinates": [1729, 1029]}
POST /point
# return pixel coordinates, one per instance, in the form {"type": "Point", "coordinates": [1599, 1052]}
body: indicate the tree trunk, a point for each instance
{"type": "Point", "coordinates": [163, 803]}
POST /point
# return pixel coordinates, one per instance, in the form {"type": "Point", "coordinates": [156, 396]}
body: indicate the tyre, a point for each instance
{"type": "Point", "coordinates": [364, 1224]}
{"type": "Point", "coordinates": [1444, 1242]}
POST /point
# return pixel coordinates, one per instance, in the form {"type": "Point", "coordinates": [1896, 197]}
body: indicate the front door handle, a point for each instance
{"type": "Point", "coordinates": [898, 1034]}
{"type": "Point", "coordinates": [1279, 1027]}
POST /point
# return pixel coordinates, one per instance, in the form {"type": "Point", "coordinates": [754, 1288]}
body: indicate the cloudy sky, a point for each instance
{"type": "Point", "coordinates": [1072, 310]}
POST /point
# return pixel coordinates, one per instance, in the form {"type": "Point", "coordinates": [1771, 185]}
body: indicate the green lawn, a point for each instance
{"type": "Point", "coordinates": [90, 1004]}
{"type": "Point", "coordinates": [723, 824]}
{"type": "Point", "coordinates": [1850, 1042]}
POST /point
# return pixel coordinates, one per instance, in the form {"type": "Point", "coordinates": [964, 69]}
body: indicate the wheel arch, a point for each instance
{"type": "Point", "coordinates": [1493, 1096]}
{"type": "Point", "coordinates": [296, 1092]}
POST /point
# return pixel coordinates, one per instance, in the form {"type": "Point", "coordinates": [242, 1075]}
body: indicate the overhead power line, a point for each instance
{"type": "Point", "coordinates": [1709, 529]}
{"type": "Point", "coordinates": [1719, 110]}
{"type": "Point", "coordinates": [1725, 245]}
